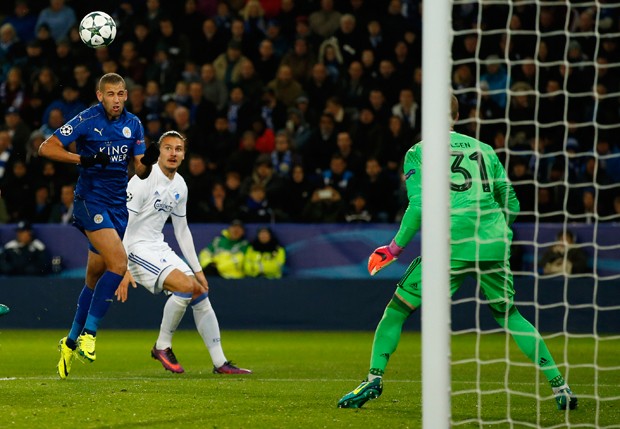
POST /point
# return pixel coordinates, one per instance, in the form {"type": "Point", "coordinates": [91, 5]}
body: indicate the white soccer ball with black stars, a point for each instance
{"type": "Point", "coordinates": [97, 29]}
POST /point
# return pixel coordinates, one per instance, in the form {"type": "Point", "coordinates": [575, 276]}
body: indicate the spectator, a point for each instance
{"type": "Point", "coordinates": [84, 83]}
{"type": "Point", "coordinates": [397, 142]}
{"type": "Point", "coordinates": [348, 38]}
{"type": "Point", "coordinates": [319, 88]}
{"type": "Point", "coordinates": [338, 176]}
{"type": "Point", "coordinates": [266, 63]}
{"type": "Point", "coordinates": [25, 255]}
{"type": "Point", "coordinates": [255, 25]}
{"type": "Point", "coordinates": [358, 212]}
{"type": "Point", "coordinates": [242, 160]}
{"type": "Point", "coordinates": [220, 207]}
{"type": "Point", "coordinates": [283, 157]}
{"type": "Point", "coordinates": [6, 154]}
{"type": "Point", "coordinates": [224, 256]}
{"type": "Point", "coordinates": [210, 44]}
{"type": "Point", "coordinates": [12, 50]}
{"type": "Point", "coordinates": [377, 191]}
{"type": "Point", "coordinates": [374, 41]}
{"type": "Point", "coordinates": [18, 130]}
{"type": "Point", "coordinates": [69, 104]}
{"type": "Point", "coordinates": [326, 20]}
{"type": "Point", "coordinates": [42, 207]}
{"type": "Point", "coordinates": [62, 211]}
{"type": "Point", "coordinates": [175, 43]}
{"type": "Point", "coordinates": [239, 112]}
{"type": "Point", "coordinates": [317, 152]}
{"type": "Point", "coordinates": [249, 81]}
{"type": "Point", "coordinates": [564, 257]}
{"type": "Point", "coordinates": [497, 80]}
{"type": "Point", "coordinates": [132, 64]}
{"type": "Point", "coordinates": [298, 128]}
{"type": "Point", "coordinates": [264, 257]}
{"type": "Point", "coordinates": [13, 90]}
{"type": "Point", "coordinates": [353, 158]}
{"type": "Point", "coordinates": [331, 57]}
{"type": "Point", "coordinates": [272, 110]}
{"type": "Point", "coordinates": [144, 40]}
{"type": "Point", "coordinates": [213, 89]}
{"type": "Point", "coordinates": [286, 88]}
{"type": "Point", "coordinates": [228, 65]}
{"type": "Point", "coordinates": [409, 111]}
{"type": "Point", "coordinates": [59, 17]}
{"type": "Point", "coordinates": [265, 138]}
{"type": "Point", "coordinates": [23, 21]}
{"type": "Point", "coordinates": [353, 87]}
{"type": "Point", "coordinates": [300, 59]}
{"type": "Point", "coordinates": [325, 206]}
{"type": "Point", "coordinates": [18, 191]}
{"type": "Point", "coordinates": [367, 134]}
{"type": "Point", "coordinates": [525, 189]}
{"type": "Point", "coordinates": [162, 70]}
{"type": "Point", "coordinates": [256, 208]}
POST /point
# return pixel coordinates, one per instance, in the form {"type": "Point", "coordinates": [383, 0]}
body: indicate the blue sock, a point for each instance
{"type": "Point", "coordinates": [102, 298]}
{"type": "Point", "coordinates": [79, 319]}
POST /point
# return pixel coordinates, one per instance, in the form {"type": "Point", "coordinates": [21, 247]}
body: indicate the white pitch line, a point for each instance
{"type": "Point", "coordinates": [284, 380]}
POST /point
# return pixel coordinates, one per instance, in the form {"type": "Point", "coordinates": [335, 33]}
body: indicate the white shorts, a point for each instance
{"type": "Point", "coordinates": [151, 266]}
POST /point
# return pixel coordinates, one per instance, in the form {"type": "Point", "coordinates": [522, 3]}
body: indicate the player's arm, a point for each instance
{"type": "Point", "coordinates": [143, 161]}
{"type": "Point", "coordinates": [53, 149]}
{"type": "Point", "coordinates": [186, 243]}
{"type": "Point", "coordinates": [411, 221]}
{"type": "Point", "coordinates": [503, 192]}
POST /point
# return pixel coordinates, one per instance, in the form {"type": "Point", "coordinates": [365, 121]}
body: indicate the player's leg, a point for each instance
{"type": "Point", "coordinates": [387, 336]}
{"type": "Point", "coordinates": [67, 345]}
{"type": "Point", "coordinates": [95, 268]}
{"type": "Point", "coordinates": [496, 281]}
{"type": "Point", "coordinates": [110, 248]}
{"type": "Point", "coordinates": [180, 286]}
{"type": "Point", "coordinates": [209, 329]}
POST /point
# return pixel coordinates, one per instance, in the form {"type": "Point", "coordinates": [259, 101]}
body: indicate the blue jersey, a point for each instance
{"type": "Point", "coordinates": [121, 139]}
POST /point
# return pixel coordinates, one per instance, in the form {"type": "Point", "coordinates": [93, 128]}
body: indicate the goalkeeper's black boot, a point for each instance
{"type": "Point", "coordinates": [363, 393]}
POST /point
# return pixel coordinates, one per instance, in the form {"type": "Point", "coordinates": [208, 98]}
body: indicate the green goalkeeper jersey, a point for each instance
{"type": "Point", "coordinates": [483, 202]}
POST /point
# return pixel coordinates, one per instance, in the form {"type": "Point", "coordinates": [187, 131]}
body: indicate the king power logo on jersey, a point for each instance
{"type": "Point", "coordinates": [116, 153]}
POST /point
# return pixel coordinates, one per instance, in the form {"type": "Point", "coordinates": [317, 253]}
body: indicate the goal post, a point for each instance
{"type": "Point", "coordinates": [436, 92]}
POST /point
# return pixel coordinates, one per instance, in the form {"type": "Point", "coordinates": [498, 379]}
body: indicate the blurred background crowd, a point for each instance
{"type": "Point", "coordinates": [302, 111]}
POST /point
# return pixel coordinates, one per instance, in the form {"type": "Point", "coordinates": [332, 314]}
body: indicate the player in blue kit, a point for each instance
{"type": "Point", "coordinates": [106, 137]}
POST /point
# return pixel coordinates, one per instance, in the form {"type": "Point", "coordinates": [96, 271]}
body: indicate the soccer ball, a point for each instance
{"type": "Point", "coordinates": [97, 29]}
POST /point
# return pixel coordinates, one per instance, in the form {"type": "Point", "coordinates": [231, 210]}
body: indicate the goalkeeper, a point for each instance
{"type": "Point", "coordinates": [483, 206]}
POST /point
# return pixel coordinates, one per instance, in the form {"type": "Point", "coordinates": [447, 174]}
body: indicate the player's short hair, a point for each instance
{"type": "Point", "coordinates": [112, 79]}
{"type": "Point", "coordinates": [171, 133]}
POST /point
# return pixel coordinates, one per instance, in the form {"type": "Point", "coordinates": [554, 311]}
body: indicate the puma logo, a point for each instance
{"type": "Point", "coordinates": [100, 131]}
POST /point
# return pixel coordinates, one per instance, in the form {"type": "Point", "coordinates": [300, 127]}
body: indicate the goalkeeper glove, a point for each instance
{"type": "Point", "coordinates": [150, 155]}
{"type": "Point", "coordinates": [383, 256]}
{"type": "Point", "coordinates": [100, 158]}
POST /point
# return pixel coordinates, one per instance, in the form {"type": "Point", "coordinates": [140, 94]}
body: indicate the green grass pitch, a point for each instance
{"type": "Point", "coordinates": [298, 379]}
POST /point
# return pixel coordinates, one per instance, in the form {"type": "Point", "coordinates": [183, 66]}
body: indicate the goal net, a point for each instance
{"type": "Point", "coordinates": [540, 82]}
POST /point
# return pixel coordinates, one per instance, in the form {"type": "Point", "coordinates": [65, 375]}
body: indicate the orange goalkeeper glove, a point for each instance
{"type": "Point", "coordinates": [383, 256]}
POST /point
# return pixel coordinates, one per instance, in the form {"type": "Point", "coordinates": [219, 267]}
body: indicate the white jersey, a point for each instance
{"type": "Point", "coordinates": [150, 203]}
{"type": "Point", "coordinates": [153, 200]}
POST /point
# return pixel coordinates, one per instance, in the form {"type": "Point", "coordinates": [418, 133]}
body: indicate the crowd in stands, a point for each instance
{"type": "Point", "coordinates": [301, 111]}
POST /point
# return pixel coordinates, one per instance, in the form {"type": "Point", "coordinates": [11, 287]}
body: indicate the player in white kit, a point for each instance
{"type": "Point", "coordinates": [154, 265]}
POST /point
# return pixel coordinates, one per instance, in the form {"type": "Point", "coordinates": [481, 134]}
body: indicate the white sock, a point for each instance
{"type": "Point", "coordinates": [173, 313]}
{"type": "Point", "coordinates": [209, 330]}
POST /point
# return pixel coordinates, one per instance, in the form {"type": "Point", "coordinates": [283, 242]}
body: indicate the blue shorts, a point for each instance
{"type": "Point", "coordinates": [93, 216]}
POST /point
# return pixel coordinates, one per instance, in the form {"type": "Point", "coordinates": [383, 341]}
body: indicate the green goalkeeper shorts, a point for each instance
{"type": "Point", "coordinates": [494, 277]}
